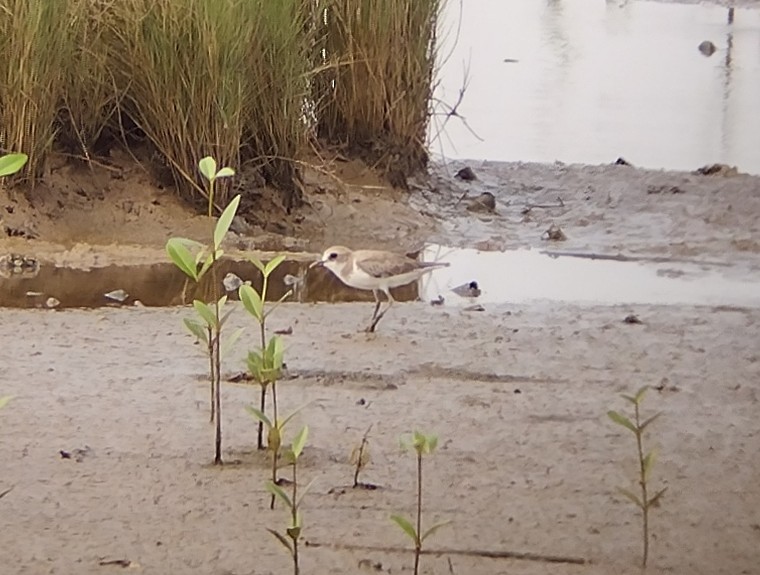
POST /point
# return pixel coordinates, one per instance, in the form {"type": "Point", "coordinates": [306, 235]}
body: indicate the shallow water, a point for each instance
{"type": "Point", "coordinates": [520, 276]}
{"type": "Point", "coordinates": [515, 276]}
{"type": "Point", "coordinates": [594, 80]}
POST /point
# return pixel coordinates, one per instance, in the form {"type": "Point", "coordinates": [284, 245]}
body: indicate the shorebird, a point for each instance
{"type": "Point", "coordinates": [374, 270]}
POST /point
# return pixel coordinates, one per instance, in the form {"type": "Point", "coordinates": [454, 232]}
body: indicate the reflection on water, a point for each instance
{"type": "Point", "coordinates": [503, 277]}
{"type": "Point", "coordinates": [527, 275]}
{"type": "Point", "coordinates": [593, 81]}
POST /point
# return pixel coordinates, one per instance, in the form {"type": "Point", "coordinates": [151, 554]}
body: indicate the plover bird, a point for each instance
{"type": "Point", "coordinates": [374, 270]}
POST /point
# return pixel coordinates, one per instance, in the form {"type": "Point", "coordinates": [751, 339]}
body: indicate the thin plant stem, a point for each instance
{"type": "Point", "coordinates": [274, 473]}
{"type": "Point", "coordinates": [217, 371]}
{"type": "Point", "coordinates": [418, 540]}
{"type": "Point", "coordinates": [643, 483]}
{"type": "Point", "coordinates": [262, 406]}
{"type": "Point", "coordinates": [294, 516]}
{"type": "Point", "coordinates": [274, 399]}
{"type": "Point", "coordinates": [211, 371]}
{"type": "Point", "coordinates": [359, 459]}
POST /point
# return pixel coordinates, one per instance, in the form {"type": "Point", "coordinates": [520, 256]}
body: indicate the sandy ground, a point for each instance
{"type": "Point", "coordinates": [528, 460]}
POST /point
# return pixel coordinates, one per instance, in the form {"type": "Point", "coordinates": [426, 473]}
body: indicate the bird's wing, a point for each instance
{"type": "Point", "coordinates": [386, 264]}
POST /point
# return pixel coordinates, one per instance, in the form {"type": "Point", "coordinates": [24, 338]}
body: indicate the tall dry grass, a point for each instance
{"type": "Point", "coordinates": [36, 47]}
{"type": "Point", "coordinates": [183, 69]}
{"type": "Point", "coordinates": [279, 69]}
{"type": "Point", "coordinates": [247, 81]}
{"type": "Point", "coordinates": [379, 83]}
{"type": "Point", "coordinates": [90, 97]}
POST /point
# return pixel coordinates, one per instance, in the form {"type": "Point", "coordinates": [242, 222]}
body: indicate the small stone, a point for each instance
{"type": "Point", "coordinates": [52, 302]}
{"type": "Point", "coordinates": [554, 233]}
{"type": "Point", "coordinates": [232, 282]}
{"type": "Point", "coordinates": [485, 202]}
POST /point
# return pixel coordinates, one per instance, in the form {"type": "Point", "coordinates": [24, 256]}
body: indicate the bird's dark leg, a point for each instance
{"type": "Point", "coordinates": [377, 317]}
{"type": "Point", "coordinates": [377, 303]}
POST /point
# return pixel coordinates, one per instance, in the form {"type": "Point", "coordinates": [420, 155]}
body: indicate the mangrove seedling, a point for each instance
{"type": "Point", "coordinates": [360, 458]}
{"type": "Point", "coordinates": [646, 460]}
{"type": "Point", "coordinates": [292, 502]}
{"type": "Point", "coordinates": [275, 431]}
{"type": "Point", "coordinates": [255, 303]}
{"type": "Point", "coordinates": [208, 327]}
{"type": "Point", "coordinates": [421, 445]}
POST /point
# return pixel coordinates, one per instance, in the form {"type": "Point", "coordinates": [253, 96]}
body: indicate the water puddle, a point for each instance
{"type": "Point", "coordinates": [522, 276]}
{"type": "Point", "coordinates": [518, 276]}
{"type": "Point", "coordinates": [589, 81]}
{"type": "Point", "coordinates": [162, 284]}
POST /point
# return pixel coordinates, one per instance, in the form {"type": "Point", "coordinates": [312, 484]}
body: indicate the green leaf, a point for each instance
{"type": "Point", "coordinates": [433, 529]}
{"type": "Point", "coordinates": [650, 420]}
{"type": "Point", "coordinates": [207, 262]}
{"type": "Point", "coordinates": [257, 262]}
{"type": "Point", "coordinates": [639, 397]}
{"type": "Point", "coordinates": [272, 265]}
{"type": "Point", "coordinates": [4, 400]}
{"type": "Point", "coordinates": [282, 539]}
{"type": "Point", "coordinates": [405, 526]}
{"type": "Point", "coordinates": [279, 492]}
{"type": "Point", "coordinates": [229, 342]}
{"type": "Point", "coordinates": [258, 414]}
{"type": "Point", "coordinates": [649, 461]}
{"type": "Point", "coordinates": [630, 496]}
{"type": "Point", "coordinates": [251, 301]}
{"type": "Point", "coordinates": [225, 172]}
{"type": "Point", "coordinates": [300, 441]}
{"type": "Point", "coordinates": [274, 353]}
{"type": "Point", "coordinates": [177, 250]}
{"type": "Point", "coordinates": [198, 330]}
{"type": "Point", "coordinates": [207, 314]}
{"type": "Point", "coordinates": [654, 501]}
{"type": "Point", "coordinates": [224, 221]}
{"type": "Point", "coordinates": [207, 166]}
{"type": "Point", "coordinates": [432, 443]}
{"type": "Point", "coordinates": [621, 420]}
{"type": "Point", "coordinates": [12, 163]}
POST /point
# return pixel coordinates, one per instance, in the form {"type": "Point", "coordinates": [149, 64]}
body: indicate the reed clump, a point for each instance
{"type": "Point", "coordinates": [249, 82]}
{"type": "Point", "coordinates": [378, 84]}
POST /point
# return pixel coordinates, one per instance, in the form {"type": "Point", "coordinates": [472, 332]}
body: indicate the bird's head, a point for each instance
{"type": "Point", "coordinates": [333, 257]}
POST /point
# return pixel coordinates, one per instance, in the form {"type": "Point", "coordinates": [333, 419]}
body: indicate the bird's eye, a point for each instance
{"type": "Point", "coordinates": [332, 256]}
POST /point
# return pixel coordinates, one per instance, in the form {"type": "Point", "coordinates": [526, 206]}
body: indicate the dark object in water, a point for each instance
{"type": "Point", "coordinates": [717, 170]}
{"type": "Point", "coordinates": [466, 174]}
{"type": "Point", "coordinates": [707, 48]}
{"type": "Point", "coordinates": [471, 289]}
{"type": "Point", "coordinates": [622, 162]}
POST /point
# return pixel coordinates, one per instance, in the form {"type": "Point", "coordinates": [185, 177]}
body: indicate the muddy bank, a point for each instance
{"type": "Point", "coordinates": [610, 209]}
